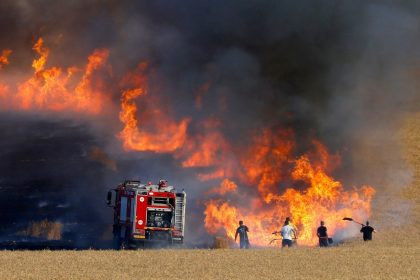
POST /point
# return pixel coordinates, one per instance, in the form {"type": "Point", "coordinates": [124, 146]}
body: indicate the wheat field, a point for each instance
{"type": "Point", "coordinates": [391, 255]}
{"type": "Point", "coordinates": [357, 261]}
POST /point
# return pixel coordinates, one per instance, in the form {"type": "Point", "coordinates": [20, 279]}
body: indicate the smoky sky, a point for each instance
{"type": "Point", "coordinates": [341, 71]}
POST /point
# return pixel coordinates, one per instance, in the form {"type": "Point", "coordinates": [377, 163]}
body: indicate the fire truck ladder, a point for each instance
{"type": "Point", "coordinates": [180, 211]}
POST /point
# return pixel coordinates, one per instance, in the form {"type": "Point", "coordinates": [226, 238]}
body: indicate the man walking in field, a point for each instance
{"type": "Point", "coordinates": [367, 231]}
{"type": "Point", "coordinates": [322, 235]}
{"type": "Point", "coordinates": [287, 231]}
{"type": "Point", "coordinates": [242, 231]}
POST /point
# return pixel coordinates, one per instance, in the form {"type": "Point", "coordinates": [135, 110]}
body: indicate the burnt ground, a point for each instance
{"type": "Point", "coordinates": [46, 174]}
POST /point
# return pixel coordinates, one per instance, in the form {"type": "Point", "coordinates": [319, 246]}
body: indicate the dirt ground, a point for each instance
{"type": "Point", "coordinates": [382, 258]}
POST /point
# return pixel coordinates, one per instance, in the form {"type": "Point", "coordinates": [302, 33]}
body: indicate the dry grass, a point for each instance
{"type": "Point", "coordinates": [221, 242]}
{"type": "Point", "coordinates": [44, 229]}
{"type": "Point", "coordinates": [393, 255]}
{"type": "Point", "coordinates": [361, 261]}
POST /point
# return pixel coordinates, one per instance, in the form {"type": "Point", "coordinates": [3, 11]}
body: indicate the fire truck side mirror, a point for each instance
{"type": "Point", "coordinates": [109, 198]}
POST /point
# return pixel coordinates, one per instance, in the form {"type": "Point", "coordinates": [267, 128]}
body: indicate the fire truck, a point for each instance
{"type": "Point", "coordinates": [147, 213]}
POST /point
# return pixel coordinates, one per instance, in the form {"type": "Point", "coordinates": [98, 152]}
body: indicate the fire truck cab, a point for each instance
{"type": "Point", "coordinates": [147, 213]}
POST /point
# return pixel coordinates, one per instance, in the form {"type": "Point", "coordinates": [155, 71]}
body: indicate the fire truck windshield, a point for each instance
{"type": "Point", "coordinates": [159, 219]}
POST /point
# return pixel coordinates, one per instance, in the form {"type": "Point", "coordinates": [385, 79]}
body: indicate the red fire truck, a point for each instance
{"type": "Point", "coordinates": [147, 213]}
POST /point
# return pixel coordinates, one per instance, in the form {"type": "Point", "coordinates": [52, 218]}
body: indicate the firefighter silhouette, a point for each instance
{"type": "Point", "coordinates": [242, 231]}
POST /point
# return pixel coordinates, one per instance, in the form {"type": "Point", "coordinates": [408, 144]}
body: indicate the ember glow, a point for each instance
{"type": "Point", "coordinates": [4, 57]}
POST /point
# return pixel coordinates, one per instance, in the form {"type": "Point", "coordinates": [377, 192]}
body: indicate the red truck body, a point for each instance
{"type": "Point", "coordinates": [147, 213]}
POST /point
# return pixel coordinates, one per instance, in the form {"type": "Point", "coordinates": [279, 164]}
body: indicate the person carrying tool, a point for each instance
{"type": "Point", "coordinates": [287, 232]}
{"type": "Point", "coordinates": [322, 235]}
{"type": "Point", "coordinates": [242, 231]}
{"type": "Point", "coordinates": [367, 231]}
{"type": "Point", "coordinates": [293, 233]}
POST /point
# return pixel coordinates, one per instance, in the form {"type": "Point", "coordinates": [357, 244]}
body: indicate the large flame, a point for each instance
{"type": "Point", "coordinates": [166, 135]}
{"type": "Point", "coordinates": [56, 89]}
{"type": "Point", "coordinates": [207, 149]}
{"type": "Point", "coordinates": [283, 186]}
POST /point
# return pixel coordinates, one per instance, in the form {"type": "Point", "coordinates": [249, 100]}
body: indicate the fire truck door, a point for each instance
{"type": "Point", "coordinates": [141, 210]}
{"type": "Point", "coordinates": [123, 209]}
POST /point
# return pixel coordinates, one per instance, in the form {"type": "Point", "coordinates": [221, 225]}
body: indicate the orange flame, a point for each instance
{"type": "Point", "coordinates": [4, 57]}
{"type": "Point", "coordinates": [4, 60]}
{"type": "Point", "coordinates": [56, 89]}
{"type": "Point", "coordinates": [225, 187]}
{"type": "Point", "coordinates": [216, 174]}
{"type": "Point", "coordinates": [167, 136]}
{"type": "Point", "coordinates": [207, 148]}
{"type": "Point", "coordinates": [39, 64]}
{"type": "Point", "coordinates": [319, 197]}
{"type": "Point", "coordinates": [264, 163]}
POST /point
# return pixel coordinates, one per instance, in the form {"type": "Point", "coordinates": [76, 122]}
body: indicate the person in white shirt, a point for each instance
{"type": "Point", "coordinates": [293, 226]}
{"type": "Point", "coordinates": [287, 232]}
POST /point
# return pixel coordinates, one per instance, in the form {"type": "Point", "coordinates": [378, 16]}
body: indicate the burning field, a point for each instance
{"type": "Point", "coordinates": [259, 110]}
{"type": "Point", "coordinates": [261, 181]}
{"type": "Point", "coordinates": [258, 114]}
{"type": "Point", "coordinates": [383, 258]}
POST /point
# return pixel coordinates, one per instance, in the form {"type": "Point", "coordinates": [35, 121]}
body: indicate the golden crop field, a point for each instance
{"type": "Point", "coordinates": [391, 255]}
{"type": "Point", "coordinates": [356, 261]}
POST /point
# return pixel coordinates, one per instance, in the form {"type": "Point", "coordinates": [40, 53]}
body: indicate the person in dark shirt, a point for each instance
{"type": "Point", "coordinates": [242, 231]}
{"type": "Point", "coordinates": [367, 231]}
{"type": "Point", "coordinates": [322, 235]}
